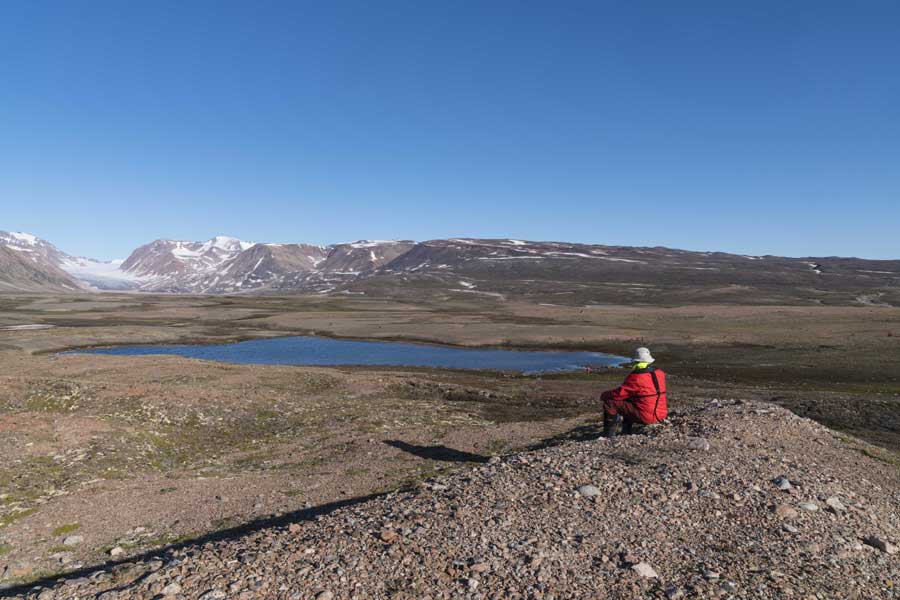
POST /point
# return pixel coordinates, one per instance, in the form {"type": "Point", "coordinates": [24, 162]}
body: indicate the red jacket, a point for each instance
{"type": "Point", "coordinates": [646, 397]}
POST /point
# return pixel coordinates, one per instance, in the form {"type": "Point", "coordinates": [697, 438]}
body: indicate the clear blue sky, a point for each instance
{"type": "Point", "coordinates": [756, 127]}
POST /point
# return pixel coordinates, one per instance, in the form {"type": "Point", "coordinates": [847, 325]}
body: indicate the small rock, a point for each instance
{"type": "Point", "coordinates": [480, 567]}
{"type": "Point", "coordinates": [710, 575]}
{"type": "Point", "coordinates": [325, 595]}
{"type": "Point", "coordinates": [472, 584]}
{"type": "Point", "coordinates": [588, 491]}
{"type": "Point", "coordinates": [493, 460]}
{"type": "Point", "coordinates": [789, 528]}
{"type": "Point", "coordinates": [644, 570]}
{"type": "Point", "coordinates": [171, 589]}
{"type": "Point", "coordinates": [810, 506]}
{"type": "Point", "coordinates": [117, 551]}
{"type": "Point", "coordinates": [72, 540]}
{"type": "Point", "coordinates": [295, 527]}
{"type": "Point", "coordinates": [701, 444]}
{"type": "Point", "coordinates": [214, 595]}
{"type": "Point", "coordinates": [388, 536]}
{"type": "Point", "coordinates": [153, 577]}
{"type": "Point", "coordinates": [674, 593]}
{"type": "Point", "coordinates": [786, 512]}
{"type": "Point", "coordinates": [835, 505]}
{"type": "Point", "coordinates": [782, 483]}
{"type": "Point", "coordinates": [883, 545]}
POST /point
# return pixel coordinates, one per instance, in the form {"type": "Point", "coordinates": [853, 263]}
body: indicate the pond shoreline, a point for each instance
{"type": "Point", "coordinates": [323, 351]}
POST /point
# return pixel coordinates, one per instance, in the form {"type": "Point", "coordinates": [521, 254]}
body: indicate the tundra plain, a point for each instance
{"type": "Point", "coordinates": [106, 457]}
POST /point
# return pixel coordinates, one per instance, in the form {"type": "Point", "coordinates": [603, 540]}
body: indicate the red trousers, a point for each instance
{"type": "Point", "coordinates": [628, 410]}
{"type": "Point", "coordinates": [634, 412]}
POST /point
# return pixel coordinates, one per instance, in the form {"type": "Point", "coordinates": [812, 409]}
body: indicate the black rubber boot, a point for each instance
{"type": "Point", "coordinates": [610, 425]}
{"type": "Point", "coordinates": [626, 427]}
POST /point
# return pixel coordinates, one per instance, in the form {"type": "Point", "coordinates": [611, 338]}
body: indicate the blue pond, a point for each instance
{"type": "Point", "coordinates": [307, 350]}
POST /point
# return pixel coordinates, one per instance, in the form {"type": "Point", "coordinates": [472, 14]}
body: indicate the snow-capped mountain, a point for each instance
{"type": "Point", "coordinates": [167, 258]}
{"type": "Point", "coordinates": [31, 246]}
{"type": "Point", "coordinates": [261, 265]}
{"type": "Point", "coordinates": [30, 264]}
{"type": "Point", "coordinates": [354, 258]}
{"type": "Point", "coordinates": [493, 269]}
{"type": "Point", "coordinates": [225, 265]}
{"type": "Point", "coordinates": [104, 275]}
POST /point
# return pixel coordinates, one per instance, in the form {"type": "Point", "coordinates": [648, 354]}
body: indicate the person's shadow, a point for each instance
{"type": "Point", "coordinates": [582, 433]}
{"type": "Point", "coordinates": [439, 453]}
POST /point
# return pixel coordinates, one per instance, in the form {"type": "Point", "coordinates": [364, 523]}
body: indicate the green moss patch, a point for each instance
{"type": "Point", "coordinates": [66, 529]}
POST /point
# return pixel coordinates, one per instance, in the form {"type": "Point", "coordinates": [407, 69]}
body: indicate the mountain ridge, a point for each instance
{"type": "Point", "coordinates": [443, 269]}
{"type": "Point", "coordinates": [18, 273]}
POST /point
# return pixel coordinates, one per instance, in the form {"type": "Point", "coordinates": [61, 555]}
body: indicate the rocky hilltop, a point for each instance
{"type": "Point", "coordinates": [729, 500]}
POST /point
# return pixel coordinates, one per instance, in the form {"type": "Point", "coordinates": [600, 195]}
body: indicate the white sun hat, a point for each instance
{"type": "Point", "coordinates": [643, 355]}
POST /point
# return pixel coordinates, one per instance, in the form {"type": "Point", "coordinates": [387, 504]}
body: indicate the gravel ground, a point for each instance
{"type": "Point", "coordinates": [729, 500]}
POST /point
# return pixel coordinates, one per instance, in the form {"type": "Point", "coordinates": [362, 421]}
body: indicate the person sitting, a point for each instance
{"type": "Point", "coordinates": [640, 399]}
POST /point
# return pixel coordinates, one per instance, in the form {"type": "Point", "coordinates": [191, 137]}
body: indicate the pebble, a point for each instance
{"type": "Point", "coordinates": [388, 536]}
{"type": "Point", "coordinates": [117, 551]}
{"type": "Point", "coordinates": [881, 544]}
{"type": "Point", "coordinates": [786, 512]}
{"type": "Point", "coordinates": [782, 483]}
{"type": "Point", "coordinates": [588, 491]}
{"type": "Point", "coordinates": [810, 506]}
{"type": "Point", "coordinates": [701, 444]}
{"type": "Point", "coordinates": [480, 567]}
{"type": "Point", "coordinates": [674, 593]}
{"type": "Point", "coordinates": [325, 595]}
{"type": "Point", "coordinates": [645, 570]}
{"type": "Point", "coordinates": [835, 505]}
{"type": "Point", "coordinates": [73, 540]}
{"type": "Point", "coordinates": [171, 589]}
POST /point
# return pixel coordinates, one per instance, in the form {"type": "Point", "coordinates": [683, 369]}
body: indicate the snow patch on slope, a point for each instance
{"type": "Point", "coordinates": [27, 238]}
{"type": "Point", "coordinates": [370, 243]}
